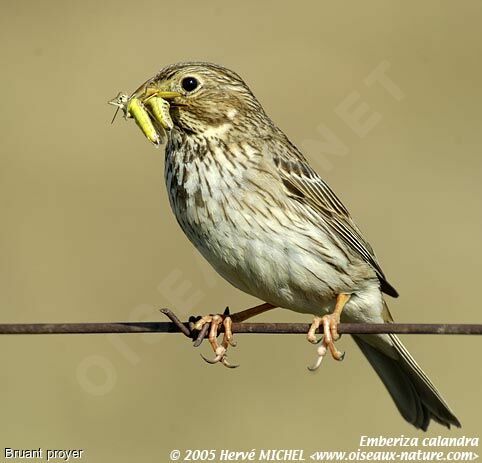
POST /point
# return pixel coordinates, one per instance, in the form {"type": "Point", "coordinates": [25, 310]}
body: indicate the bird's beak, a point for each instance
{"type": "Point", "coordinates": [150, 89]}
{"type": "Point", "coordinates": [165, 95]}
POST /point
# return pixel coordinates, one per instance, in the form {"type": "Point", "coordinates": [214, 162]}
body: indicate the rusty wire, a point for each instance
{"type": "Point", "coordinates": [176, 326]}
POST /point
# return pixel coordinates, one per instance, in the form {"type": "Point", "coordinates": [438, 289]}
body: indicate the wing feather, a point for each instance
{"type": "Point", "coordinates": [307, 186]}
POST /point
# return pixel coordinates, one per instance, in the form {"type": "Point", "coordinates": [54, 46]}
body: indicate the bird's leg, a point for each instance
{"type": "Point", "coordinates": [227, 321]}
{"type": "Point", "coordinates": [219, 350]}
{"type": "Point", "coordinates": [215, 321]}
{"type": "Point", "coordinates": [330, 332]}
{"type": "Point", "coordinates": [252, 312]}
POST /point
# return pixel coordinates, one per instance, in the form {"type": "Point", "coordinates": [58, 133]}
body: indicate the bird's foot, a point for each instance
{"type": "Point", "coordinates": [330, 335]}
{"type": "Point", "coordinates": [215, 321]}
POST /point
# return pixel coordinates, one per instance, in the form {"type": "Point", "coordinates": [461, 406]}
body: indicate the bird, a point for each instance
{"type": "Point", "coordinates": [258, 212]}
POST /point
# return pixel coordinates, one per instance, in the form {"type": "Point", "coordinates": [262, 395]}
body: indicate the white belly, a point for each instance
{"type": "Point", "coordinates": [269, 267]}
{"type": "Point", "coordinates": [255, 236]}
{"type": "Point", "coordinates": [257, 246]}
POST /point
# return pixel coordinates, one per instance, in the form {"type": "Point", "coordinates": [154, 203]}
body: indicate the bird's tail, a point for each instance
{"type": "Point", "coordinates": [415, 396]}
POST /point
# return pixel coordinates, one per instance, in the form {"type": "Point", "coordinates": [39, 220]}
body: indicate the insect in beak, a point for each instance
{"type": "Point", "coordinates": [120, 101]}
{"type": "Point", "coordinates": [149, 109]}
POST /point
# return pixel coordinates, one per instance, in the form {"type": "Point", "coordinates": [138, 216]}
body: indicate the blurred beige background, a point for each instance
{"type": "Point", "coordinates": [87, 235]}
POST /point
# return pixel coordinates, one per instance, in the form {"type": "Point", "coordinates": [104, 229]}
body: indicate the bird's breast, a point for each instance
{"type": "Point", "coordinates": [232, 207]}
{"type": "Point", "coordinates": [211, 192]}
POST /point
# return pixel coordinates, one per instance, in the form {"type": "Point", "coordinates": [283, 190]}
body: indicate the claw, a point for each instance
{"type": "Point", "coordinates": [330, 335]}
{"type": "Point", "coordinates": [321, 351]}
{"type": "Point", "coordinates": [217, 359]}
{"type": "Point", "coordinates": [336, 354]}
{"type": "Point", "coordinates": [213, 361]}
{"type": "Point", "coordinates": [227, 364]}
{"type": "Point", "coordinates": [211, 323]}
{"type": "Point", "coordinates": [316, 365]}
{"type": "Point", "coordinates": [220, 354]}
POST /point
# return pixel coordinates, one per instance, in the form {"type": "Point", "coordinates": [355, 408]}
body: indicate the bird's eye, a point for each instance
{"type": "Point", "coordinates": [189, 84]}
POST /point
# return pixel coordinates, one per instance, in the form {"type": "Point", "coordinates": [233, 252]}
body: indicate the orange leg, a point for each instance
{"type": "Point", "coordinates": [330, 332]}
{"type": "Point", "coordinates": [227, 320]}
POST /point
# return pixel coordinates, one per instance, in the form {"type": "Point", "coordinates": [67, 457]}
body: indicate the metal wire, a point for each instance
{"type": "Point", "coordinates": [176, 326]}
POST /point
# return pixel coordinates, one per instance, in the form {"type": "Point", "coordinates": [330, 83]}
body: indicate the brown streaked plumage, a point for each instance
{"type": "Point", "coordinates": [250, 202]}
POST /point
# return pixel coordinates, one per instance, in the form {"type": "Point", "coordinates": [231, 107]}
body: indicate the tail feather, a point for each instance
{"type": "Point", "coordinates": [415, 396]}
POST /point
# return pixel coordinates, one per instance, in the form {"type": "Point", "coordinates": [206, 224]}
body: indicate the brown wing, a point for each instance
{"type": "Point", "coordinates": [306, 185]}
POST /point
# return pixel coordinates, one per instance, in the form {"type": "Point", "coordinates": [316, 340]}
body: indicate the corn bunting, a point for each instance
{"type": "Point", "coordinates": [252, 205]}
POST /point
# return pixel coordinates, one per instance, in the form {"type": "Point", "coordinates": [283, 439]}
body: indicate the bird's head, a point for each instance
{"type": "Point", "coordinates": [205, 98]}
